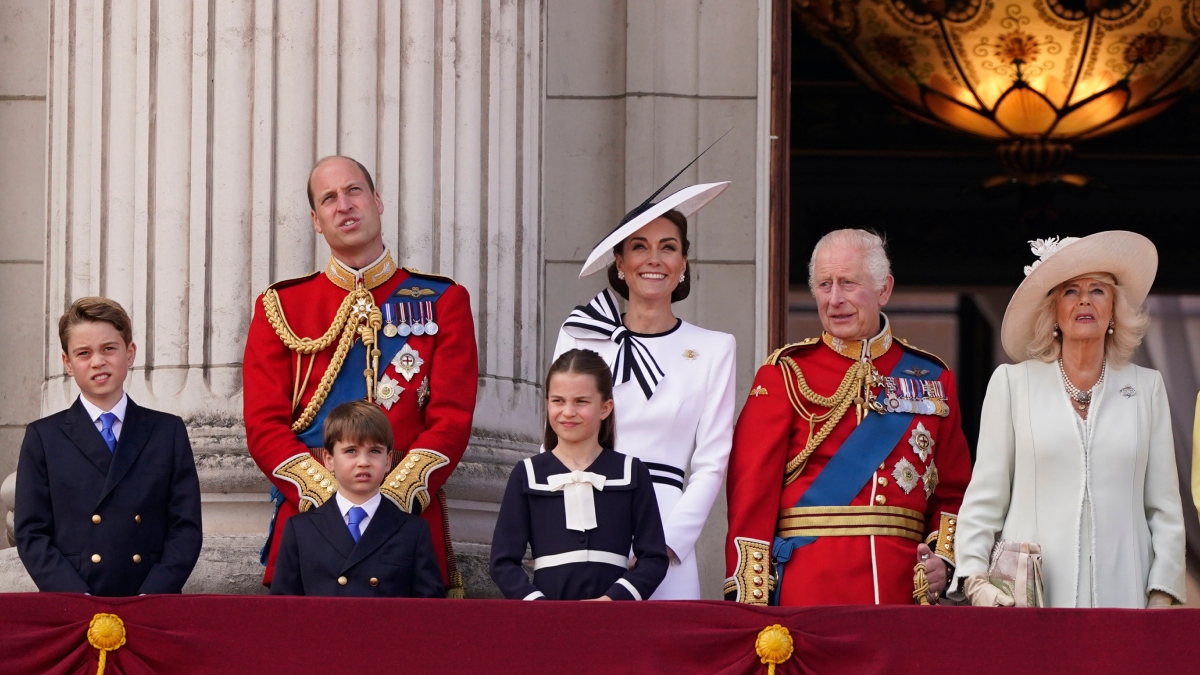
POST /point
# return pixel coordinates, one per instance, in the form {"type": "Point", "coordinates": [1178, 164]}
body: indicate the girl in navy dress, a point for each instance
{"type": "Point", "coordinates": [580, 505]}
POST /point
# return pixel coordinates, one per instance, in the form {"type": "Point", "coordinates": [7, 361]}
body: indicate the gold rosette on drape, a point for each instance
{"type": "Point", "coordinates": [106, 632]}
{"type": "Point", "coordinates": [773, 646]}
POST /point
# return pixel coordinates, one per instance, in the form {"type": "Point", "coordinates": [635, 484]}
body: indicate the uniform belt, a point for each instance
{"type": "Point", "coordinates": [665, 474]}
{"type": "Point", "coordinates": [851, 521]}
{"type": "Point", "coordinates": [583, 555]}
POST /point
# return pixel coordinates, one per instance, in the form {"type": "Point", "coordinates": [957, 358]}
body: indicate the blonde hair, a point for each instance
{"type": "Point", "coordinates": [1129, 324]}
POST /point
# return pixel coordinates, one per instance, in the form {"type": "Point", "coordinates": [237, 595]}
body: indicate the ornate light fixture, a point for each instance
{"type": "Point", "coordinates": [1034, 75]}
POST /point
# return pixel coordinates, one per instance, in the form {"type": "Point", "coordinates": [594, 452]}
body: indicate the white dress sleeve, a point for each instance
{"type": "Point", "coordinates": [710, 459]}
{"type": "Point", "coordinates": [1164, 511]}
{"type": "Point", "coordinates": [985, 504]}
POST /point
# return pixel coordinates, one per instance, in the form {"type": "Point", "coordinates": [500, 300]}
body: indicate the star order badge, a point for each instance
{"type": "Point", "coordinates": [388, 392]}
{"type": "Point", "coordinates": [931, 480]}
{"type": "Point", "coordinates": [906, 475]}
{"type": "Point", "coordinates": [921, 442]}
{"type": "Point", "coordinates": [408, 362]}
{"type": "Point", "coordinates": [423, 394]}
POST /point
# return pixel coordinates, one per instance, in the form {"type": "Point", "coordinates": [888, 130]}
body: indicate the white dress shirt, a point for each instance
{"type": "Point", "coordinates": [369, 506]}
{"type": "Point", "coordinates": [118, 410]}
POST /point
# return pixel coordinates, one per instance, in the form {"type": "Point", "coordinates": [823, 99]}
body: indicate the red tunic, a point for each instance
{"type": "Point", "coordinates": [834, 570]}
{"type": "Point", "coordinates": [444, 426]}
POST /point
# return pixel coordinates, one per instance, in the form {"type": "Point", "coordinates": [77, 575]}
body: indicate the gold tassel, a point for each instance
{"type": "Point", "coordinates": [106, 632]}
{"type": "Point", "coordinates": [920, 585]}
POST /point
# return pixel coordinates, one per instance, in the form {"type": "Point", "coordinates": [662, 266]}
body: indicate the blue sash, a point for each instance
{"type": "Point", "coordinates": [350, 385]}
{"type": "Point", "coordinates": [853, 465]}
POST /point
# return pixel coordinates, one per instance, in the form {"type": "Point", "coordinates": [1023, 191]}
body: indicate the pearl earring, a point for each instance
{"type": "Point", "coordinates": [1111, 323]}
{"type": "Point", "coordinates": [620, 275]}
{"type": "Point", "coordinates": [682, 277]}
{"type": "Point", "coordinates": [1056, 329]}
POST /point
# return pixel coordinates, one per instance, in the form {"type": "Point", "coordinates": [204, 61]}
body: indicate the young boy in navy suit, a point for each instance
{"type": "Point", "coordinates": [357, 544]}
{"type": "Point", "coordinates": [108, 501]}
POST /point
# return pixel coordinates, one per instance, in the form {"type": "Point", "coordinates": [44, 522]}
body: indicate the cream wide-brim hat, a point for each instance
{"type": "Point", "coordinates": [1129, 257]}
{"type": "Point", "coordinates": [687, 201]}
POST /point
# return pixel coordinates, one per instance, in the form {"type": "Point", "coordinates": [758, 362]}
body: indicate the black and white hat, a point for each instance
{"type": "Point", "coordinates": [687, 201]}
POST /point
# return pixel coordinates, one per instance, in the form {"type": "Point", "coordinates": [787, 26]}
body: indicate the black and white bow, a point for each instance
{"type": "Point", "coordinates": [600, 319]}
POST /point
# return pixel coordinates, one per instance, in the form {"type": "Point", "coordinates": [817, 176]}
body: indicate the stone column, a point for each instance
{"type": "Point", "coordinates": [180, 137]}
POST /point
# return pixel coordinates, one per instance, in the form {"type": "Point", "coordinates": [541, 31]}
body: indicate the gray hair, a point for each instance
{"type": "Point", "coordinates": [867, 243]}
{"type": "Point", "coordinates": [1129, 325]}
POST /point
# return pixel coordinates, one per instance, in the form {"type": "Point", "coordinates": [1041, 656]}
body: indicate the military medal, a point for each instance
{"type": "Point", "coordinates": [389, 316]}
{"type": "Point", "coordinates": [403, 328]}
{"type": "Point", "coordinates": [930, 479]}
{"type": "Point", "coordinates": [431, 327]}
{"type": "Point", "coordinates": [418, 327]}
{"type": "Point", "coordinates": [921, 442]}
{"type": "Point", "coordinates": [423, 394]}
{"type": "Point", "coordinates": [408, 362]}
{"type": "Point", "coordinates": [388, 392]}
{"type": "Point", "coordinates": [906, 475]}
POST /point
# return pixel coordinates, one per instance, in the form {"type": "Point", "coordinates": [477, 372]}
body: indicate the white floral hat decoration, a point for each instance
{"type": "Point", "coordinates": [1129, 257]}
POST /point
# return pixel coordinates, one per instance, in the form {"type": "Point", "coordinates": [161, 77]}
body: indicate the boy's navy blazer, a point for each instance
{"type": "Point", "coordinates": [108, 523]}
{"type": "Point", "coordinates": [319, 557]}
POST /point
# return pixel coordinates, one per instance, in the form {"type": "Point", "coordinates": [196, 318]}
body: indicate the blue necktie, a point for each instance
{"type": "Point", "coordinates": [107, 420]}
{"type": "Point", "coordinates": [356, 516]}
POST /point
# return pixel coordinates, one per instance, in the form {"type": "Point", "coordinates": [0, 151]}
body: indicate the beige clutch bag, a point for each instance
{"type": "Point", "coordinates": [1016, 570]}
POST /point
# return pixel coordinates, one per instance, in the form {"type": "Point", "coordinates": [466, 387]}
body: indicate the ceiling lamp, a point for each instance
{"type": "Point", "coordinates": [1034, 75]}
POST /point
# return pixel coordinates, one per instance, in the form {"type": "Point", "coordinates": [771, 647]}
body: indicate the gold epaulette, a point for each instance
{"type": "Point", "coordinates": [922, 352]}
{"type": "Point", "coordinates": [309, 476]}
{"type": "Point", "coordinates": [418, 273]}
{"type": "Point", "coordinates": [408, 482]}
{"type": "Point", "coordinates": [773, 359]}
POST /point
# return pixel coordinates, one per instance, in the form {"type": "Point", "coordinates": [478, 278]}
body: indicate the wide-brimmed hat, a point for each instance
{"type": "Point", "coordinates": [1129, 257]}
{"type": "Point", "coordinates": [687, 201]}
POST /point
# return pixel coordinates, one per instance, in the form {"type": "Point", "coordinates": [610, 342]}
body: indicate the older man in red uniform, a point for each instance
{"type": "Point", "coordinates": [360, 329]}
{"type": "Point", "coordinates": [848, 459]}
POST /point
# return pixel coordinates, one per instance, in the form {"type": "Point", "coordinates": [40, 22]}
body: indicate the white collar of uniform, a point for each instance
{"type": "Point", "coordinates": [370, 506]}
{"type": "Point", "coordinates": [95, 412]}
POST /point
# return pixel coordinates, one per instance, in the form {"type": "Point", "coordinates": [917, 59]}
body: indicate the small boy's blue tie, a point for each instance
{"type": "Point", "coordinates": [106, 420]}
{"type": "Point", "coordinates": [356, 516]}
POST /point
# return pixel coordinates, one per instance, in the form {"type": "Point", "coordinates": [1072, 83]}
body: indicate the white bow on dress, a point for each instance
{"type": "Point", "coordinates": [578, 498]}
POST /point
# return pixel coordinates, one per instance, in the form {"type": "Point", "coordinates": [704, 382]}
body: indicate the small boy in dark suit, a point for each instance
{"type": "Point", "coordinates": [357, 544]}
{"type": "Point", "coordinates": [108, 501]}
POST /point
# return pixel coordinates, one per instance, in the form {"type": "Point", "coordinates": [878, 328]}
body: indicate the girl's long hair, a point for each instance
{"type": "Point", "coordinates": [585, 362]}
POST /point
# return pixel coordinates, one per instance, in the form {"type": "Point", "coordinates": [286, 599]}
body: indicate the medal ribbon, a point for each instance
{"type": "Point", "coordinates": [600, 319]}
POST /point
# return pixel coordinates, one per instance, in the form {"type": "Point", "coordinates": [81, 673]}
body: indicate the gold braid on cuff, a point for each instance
{"type": "Point", "coordinates": [407, 483]}
{"type": "Point", "coordinates": [314, 483]}
{"type": "Point", "coordinates": [945, 537]}
{"type": "Point", "coordinates": [751, 581]}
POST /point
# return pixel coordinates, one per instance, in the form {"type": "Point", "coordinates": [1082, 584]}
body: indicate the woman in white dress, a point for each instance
{"type": "Point", "coordinates": [1075, 448]}
{"type": "Point", "coordinates": [675, 381]}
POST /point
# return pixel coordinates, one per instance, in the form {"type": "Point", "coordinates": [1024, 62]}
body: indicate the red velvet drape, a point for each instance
{"type": "Point", "coordinates": [46, 633]}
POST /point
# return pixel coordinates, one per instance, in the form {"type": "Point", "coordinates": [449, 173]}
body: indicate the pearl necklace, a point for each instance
{"type": "Point", "coordinates": [1081, 399]}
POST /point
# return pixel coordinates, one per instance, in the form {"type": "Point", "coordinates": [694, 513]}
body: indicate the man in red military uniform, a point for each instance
{"type": "Point", "coordinates": [848, 458]}
{"type": "Point", "coordinates": [362, 328]}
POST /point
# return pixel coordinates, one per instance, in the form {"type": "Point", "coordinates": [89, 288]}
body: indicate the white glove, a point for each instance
{"type": "Point", "coordinates": [982, 593]}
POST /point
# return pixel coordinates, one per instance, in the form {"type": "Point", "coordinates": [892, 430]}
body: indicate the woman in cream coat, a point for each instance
{"type": "Point", "coordinates": [1075, 448]}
